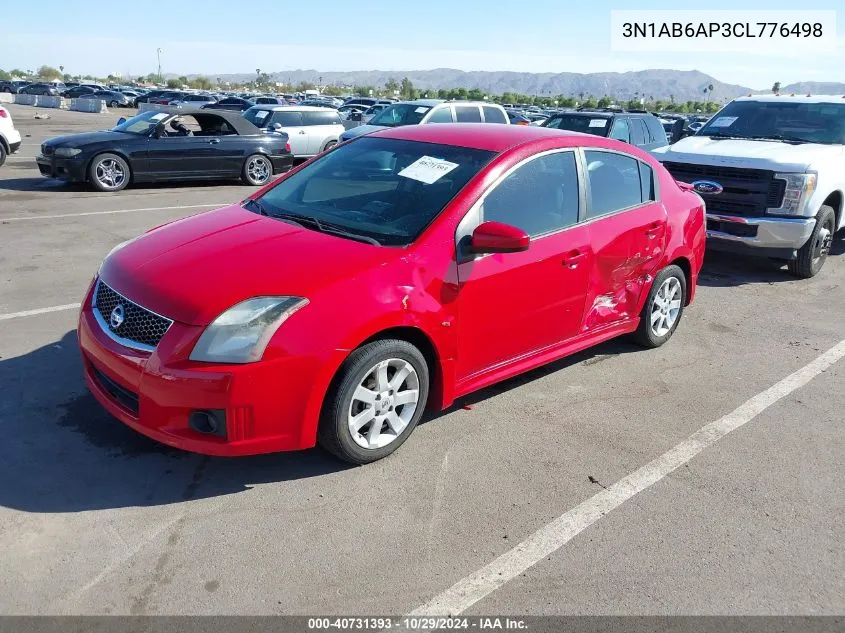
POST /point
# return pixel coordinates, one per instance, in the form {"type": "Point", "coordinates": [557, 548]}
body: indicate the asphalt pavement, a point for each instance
{"type": "Point", "coordinates": [95, 519]}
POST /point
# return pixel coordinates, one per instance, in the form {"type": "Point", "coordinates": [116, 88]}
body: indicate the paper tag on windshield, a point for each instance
{"type": "Point", "coordinates": [598, 122]}
{"type": "Point", "coordinates": [421, 109]}
{"type": "Point", "coordinates": [158, 117]}
{"type": "Point", "coordinates": [428, 169]}
{"type": "Point", "coordinates": [724, 121]}
{"type": "Point", "coordinates": [261, 114]}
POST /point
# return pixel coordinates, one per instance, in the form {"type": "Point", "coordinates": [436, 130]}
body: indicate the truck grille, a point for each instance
{"type": "Point", "coordinates": [746, 192]}
{"type": "Point", "coordinates": [139, 328]}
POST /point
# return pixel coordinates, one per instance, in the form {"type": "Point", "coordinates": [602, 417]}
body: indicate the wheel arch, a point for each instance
{"type": "Point", "coordinates": [835, 201]}
{"type": "Point", "coordinates": [5, 144]}
{"type": "Point", "coordinates": [684, 264]}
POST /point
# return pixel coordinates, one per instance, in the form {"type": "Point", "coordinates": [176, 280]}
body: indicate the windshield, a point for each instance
{"type": "Point", "coordinates": [385, 189]}
{"type": "Point", "coordinates": [598, 126]}
{"type": "Point", "coordinates": [258, 117]}
{"type": "Point", "coordinates": [781, 120]}
{"type": "Point", "coordinates": [400, 114]}
{"type": "Point", "coordinates": [143, 124]}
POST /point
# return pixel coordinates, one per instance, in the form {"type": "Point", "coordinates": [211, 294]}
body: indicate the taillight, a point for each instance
{"type": "Point", "coordinates": [287, 147]}
{"type": "Point", "coordinates": [3, 113]}
{"type": "Point", "coordinates": [523, 123]}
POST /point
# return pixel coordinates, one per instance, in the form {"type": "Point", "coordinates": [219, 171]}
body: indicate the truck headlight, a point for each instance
{"type": "Point", "coordinates": [241, 333]}
{"type": "Point", "coordinates": [67, 152]}
{"type": "Point", "coordinates": [799, 188]}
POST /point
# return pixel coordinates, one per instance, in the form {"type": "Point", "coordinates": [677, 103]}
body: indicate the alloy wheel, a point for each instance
{"type": "Point", "coordinates": [383, 403]}
{"type": "Point", "coordinates": [110, 173]}
{"type": "Point", "coordinates": [666, 306]}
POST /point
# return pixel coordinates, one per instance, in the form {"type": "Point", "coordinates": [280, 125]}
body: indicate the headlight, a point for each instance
{"type": "Point", "coordinates": [241, 333]}
{"type": "Point", "coordinates": [799, 188]}
{"type": "Point", "coordinates": [67, 152]}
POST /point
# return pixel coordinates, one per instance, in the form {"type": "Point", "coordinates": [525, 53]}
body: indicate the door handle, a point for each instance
{"type": "Point", "coordinates": [214, 141]}
{"type": "Point", "coordinates": [571, 259]}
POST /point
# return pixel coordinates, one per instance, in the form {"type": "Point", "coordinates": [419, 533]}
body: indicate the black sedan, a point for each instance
{"type": "Point", "coordinates": [112, 98]}
{"type": "Point", "coordinates": [236, 104]}
{"type": "Point", "coordinates": [78, 91]}
{"type": "Point", "coordinates": [160, 146]}
{"type": "Point", "coordinates": [47, 90]}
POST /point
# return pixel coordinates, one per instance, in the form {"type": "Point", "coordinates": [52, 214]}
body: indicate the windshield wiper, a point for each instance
{"type": "Point", "coordinates": [262, 210]}
{"type": "Point", "coordinates": [324, 227]}
{"type": "Point", "coordinates": [720, 135]}
{"type": "Point", "coordinates": [782, 138]}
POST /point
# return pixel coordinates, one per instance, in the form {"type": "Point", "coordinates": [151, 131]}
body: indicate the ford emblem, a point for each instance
{"type": "Point", "coordinates": [116, 317]}
{"type": "Point", "coordinates": [707, 186]}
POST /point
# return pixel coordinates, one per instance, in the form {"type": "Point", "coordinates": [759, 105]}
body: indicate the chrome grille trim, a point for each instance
{"type": "Point", "coordinates": [104, 326]}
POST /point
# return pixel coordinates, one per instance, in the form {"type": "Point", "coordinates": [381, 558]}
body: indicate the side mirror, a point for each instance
{"type": "Point", "coordinates": [496, 237]}
{"type": "Point", "coordinates": [356, 116]}
{"type": "Point", "coordinates": [277, 127]}
{"type": "Point", "coordinates": [121, 120]}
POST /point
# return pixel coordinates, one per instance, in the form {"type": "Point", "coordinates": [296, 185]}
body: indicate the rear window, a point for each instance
{"type": "Point", "coordinates": [259, 116]}
{"type": "Point", "coordinates": [493, 115]}
{"type": "Point", "coordinates": [596, 125]}
{"type": "Point", "coordinates": [467, 114]}
{"type": "Point", "coordinates": [320, 118]}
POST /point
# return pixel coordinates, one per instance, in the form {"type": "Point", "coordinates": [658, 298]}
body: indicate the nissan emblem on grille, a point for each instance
{"type": "Point", "coordinates": [127, 322]}
{"type": "Point", "coordinates": [116, 317]}
{"type": "Point", "coordinates": [707, 186]}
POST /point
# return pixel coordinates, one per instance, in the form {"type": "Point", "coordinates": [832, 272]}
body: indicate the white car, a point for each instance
{"type": "Point", "coordinates": [10, 138]}
{"type": "Point", "coordinates": [771, 171]}
{"type": "Point", "coordinates": [310, 129]}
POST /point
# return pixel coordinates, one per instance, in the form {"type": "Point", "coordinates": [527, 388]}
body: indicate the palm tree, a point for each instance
{"type": "Point", "coordinates": [707, 91]}
{"type": "Point", "coordinates": [776, 88]}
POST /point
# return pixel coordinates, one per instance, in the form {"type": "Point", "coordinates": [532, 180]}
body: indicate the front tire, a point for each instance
{"type": "Point", "coordinates": [663, 308]}
{"type": "Point", "coordinates": [377, 398]}
{"type": "Point", "coordinates": [812, 256]}
{"type": "Point", "coordinates": [257, 170]}
{"type": "Point", "coordinates": [109, 172]}
{"type": "Point", "coordinates": [113, 104]}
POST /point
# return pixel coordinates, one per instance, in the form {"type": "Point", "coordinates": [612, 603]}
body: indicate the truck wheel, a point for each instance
{"type": "Point", "coordinates": [812, 255]}
{"type": "Point", "coordinates": [663, 308]}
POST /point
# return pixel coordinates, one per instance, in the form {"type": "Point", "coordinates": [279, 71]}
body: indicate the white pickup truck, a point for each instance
{"type": "Point", "coordinates": [771, 170]}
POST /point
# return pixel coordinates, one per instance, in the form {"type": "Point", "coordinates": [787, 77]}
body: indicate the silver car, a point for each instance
{"type": "Point", "coordinates": [422, 111]}
{"type": "Point", "coordinates": [311, 129]}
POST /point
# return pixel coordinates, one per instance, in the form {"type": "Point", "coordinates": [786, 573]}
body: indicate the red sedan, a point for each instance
{"type": "Point", "coordinates": [397, 272]}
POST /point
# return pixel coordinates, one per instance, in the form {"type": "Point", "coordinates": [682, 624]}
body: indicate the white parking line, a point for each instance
{"type": "Point", "coordinates": [25, 313]}
{"type": "Point", "coordinates": [77, 215]}
{"type": "Point", "coordinates": [551, 537]}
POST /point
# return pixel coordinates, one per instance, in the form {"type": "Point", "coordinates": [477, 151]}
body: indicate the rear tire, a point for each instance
{"type": "Point", "coordinates": [329, 145]}
{"type": "Point", "coordinates": [109, 172]}
{"type": "Point", "coordinates": [113, 104]}
{"type": "Point", "coordinates": [2, 154]}
{"type": "Point", "coordinates": [812, 256]}
{"type": "Point", "coordinates": [257, 170]}
{"type": "Point", "coordinates": [663, 308]}
{"type": "Point", "coordinates": [377, 398]}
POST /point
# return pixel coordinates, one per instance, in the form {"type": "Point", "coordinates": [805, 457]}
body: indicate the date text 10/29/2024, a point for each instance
{"type": "Point", "coordinates": [422, 623]}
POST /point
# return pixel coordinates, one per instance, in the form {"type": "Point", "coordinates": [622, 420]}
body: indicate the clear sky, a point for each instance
{"type": "Point", "coordinates": [224, 36]}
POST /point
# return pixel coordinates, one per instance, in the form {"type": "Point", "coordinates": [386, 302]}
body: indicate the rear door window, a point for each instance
{"type": "Point", "coordinates": [320, 118]}
{"type": "Point", "coordinates": [493, 115]}
{"type": "Point", "coordinates": [639, 134]}
{"type": "Point", "coordinates": [614, 182]}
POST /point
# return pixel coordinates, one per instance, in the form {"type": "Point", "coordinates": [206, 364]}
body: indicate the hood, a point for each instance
{"type": "Point", "coordinates": [771, 155]}
{"type": "Point", "coordinates": [193, 269]}
{"type": "Point", "coordinates": [360, 130]}
{"type": "Point", "coordinates": [85, 138]}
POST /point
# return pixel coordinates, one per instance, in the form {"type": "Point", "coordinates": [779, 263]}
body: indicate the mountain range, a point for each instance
{"type": "Point", "coordinates": [681, 85]}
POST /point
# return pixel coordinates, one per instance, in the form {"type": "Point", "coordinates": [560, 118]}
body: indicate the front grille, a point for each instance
{"type": "Point", "coordinates": [123, 396]}
{"type": "Point", "coordinates": [746, 192]}
{"type": "Point", "coordinates": [140, 327]}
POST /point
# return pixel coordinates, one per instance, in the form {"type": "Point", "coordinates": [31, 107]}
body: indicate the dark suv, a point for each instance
{"type": "Point", "coordinates": [642, 129]}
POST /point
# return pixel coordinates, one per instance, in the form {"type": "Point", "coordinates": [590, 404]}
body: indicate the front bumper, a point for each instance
{"type": "Point", "coordinates": [70, 169]}
{"type": "Point", "coordinates": [767, 237]}
{"type": "Point", "coordinates": [263, 403]}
